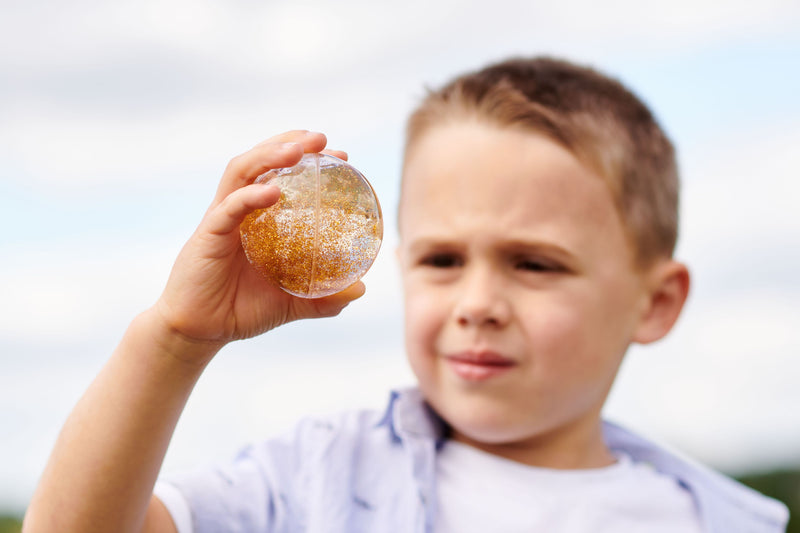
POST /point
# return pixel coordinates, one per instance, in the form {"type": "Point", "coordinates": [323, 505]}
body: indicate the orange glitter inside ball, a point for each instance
{"type": "Point", "coordinates": [322, 235]}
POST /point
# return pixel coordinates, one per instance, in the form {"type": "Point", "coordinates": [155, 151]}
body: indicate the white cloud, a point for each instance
{"type": "Point", "coordinates": [742, 186]}
{"type": "Point", "coordinates": [740, 224]}
{"type": "Point", "coordinates": [70, 293]}
{"type": "Point", "coordinates": [177, 84]}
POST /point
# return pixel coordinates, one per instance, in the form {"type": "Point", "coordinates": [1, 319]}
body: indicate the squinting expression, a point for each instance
{"type": "Point", "coordinates": [520, 292]}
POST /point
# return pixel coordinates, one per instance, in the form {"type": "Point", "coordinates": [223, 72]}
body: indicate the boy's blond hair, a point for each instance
{"type": "Point", "coordinates": [595, 117]}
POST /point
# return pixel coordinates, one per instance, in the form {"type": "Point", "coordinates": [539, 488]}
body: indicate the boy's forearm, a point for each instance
{"type": "Point", "coordinates": [102, 470]}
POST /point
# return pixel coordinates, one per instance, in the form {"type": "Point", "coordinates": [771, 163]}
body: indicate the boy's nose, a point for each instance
{"type": "Point", "coordinates": [481, 301]}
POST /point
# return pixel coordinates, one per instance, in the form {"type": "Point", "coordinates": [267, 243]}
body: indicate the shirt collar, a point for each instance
{"type": "Point", "coordinates": [725, 504]}
{"type": "Point", "coordinates": [408, 415]}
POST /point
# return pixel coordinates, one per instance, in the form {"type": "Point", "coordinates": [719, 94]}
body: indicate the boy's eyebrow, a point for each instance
{"type": "Point", "coordinates": [427, 243]}
{"type": "Point", "coordinates": [509, 246]}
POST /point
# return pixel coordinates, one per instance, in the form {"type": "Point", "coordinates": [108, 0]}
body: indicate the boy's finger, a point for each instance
{"type": "Point", "coordinates": [332, 305]}
{"type": "Point", "coordinates": [280, 151]}
{"type": "Point", "coordinates": [336, 153]}
{"type": "Point", "coordinates": [229, 214]}
{"type": "Point", "coordinates": [291, 136]}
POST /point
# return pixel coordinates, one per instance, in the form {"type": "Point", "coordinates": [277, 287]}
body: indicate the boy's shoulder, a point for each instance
{"type": "Point", "coordinates": [725, 504]}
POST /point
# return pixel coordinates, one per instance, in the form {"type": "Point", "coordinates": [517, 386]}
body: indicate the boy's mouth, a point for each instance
{"type": "Point", "coordinates": [478, 366]}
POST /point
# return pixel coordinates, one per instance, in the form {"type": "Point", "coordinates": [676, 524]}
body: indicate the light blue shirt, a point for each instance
{"type": "Point", "coordinates": [366, 471]}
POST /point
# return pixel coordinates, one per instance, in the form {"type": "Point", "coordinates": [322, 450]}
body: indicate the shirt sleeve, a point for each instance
{"type": "Point", "coordinates": [176, 504]}
{"type": "Point", "coordinates": [271, 486]}
{"type": "Point", "coordinates": [241, 496]}
{"type": "Point", "coordinates": [262, 489]}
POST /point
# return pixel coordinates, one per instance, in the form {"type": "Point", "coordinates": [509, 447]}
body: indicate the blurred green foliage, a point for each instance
{"type": "Point", "coordinates": [10, 524]}
{"type": "Point", "coordinates": [783, 485]}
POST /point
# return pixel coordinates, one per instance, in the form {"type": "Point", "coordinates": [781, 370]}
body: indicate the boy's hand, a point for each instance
{"type": "Point", "coordinates": [213, 295]}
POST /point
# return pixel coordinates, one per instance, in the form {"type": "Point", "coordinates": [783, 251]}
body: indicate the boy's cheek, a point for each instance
{"type": "Point", "coordinates": [564, 336]}
{"type": "Point", "coordinates": [584, 345]}
{"type": "Point", "coordinates": [418, 323]}
{"type": "Point", "coordinates": [422, 318]}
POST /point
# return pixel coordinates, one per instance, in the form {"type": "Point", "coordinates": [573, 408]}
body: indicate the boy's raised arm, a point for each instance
{"type": "Point", "coordinates": [101, 473]}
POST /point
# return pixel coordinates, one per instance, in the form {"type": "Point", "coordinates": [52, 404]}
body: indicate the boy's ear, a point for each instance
{"type": "Point", "coordinates": [668, 287]}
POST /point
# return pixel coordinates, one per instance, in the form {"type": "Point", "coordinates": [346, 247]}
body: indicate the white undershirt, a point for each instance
{"type": "Point", "coordinates": [479, 492]}
{"type": "Point", "coordinates": [176, 504]}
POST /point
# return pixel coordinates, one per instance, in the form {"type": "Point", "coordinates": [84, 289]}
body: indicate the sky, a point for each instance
{"type": "Point", "coordinates": [117, 119]}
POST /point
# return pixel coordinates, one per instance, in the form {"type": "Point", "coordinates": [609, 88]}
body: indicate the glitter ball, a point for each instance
{"type": "Point", "coordinates": [322, 235]}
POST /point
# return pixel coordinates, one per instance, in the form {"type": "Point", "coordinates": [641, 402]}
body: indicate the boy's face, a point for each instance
{"type": "Point", "coordinates": [520, 292]}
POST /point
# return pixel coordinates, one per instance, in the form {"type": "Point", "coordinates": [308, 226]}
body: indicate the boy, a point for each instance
{"type": "Point", "coordinates": [537, 224]}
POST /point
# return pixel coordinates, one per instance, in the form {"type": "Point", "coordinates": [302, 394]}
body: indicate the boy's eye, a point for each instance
{"type": "Point", "coordinates": [537, 265]}
{"type": "Point", "coordinates": [442, 260]}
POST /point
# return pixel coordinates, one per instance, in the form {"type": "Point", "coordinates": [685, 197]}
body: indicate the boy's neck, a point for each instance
{"type": "Point", "coordinates": [571, 448]}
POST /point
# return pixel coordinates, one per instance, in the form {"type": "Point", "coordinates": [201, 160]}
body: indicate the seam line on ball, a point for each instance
{"type": "Point", "coordinates": [317, 201]}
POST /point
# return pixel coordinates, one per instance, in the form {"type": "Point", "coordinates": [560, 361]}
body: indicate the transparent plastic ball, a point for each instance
{"type": "Point", "coordinates": [324, 232]}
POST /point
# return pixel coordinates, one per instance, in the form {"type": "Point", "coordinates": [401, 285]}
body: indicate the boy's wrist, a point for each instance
{"type": "Point", "coordinates": [172, 343]}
